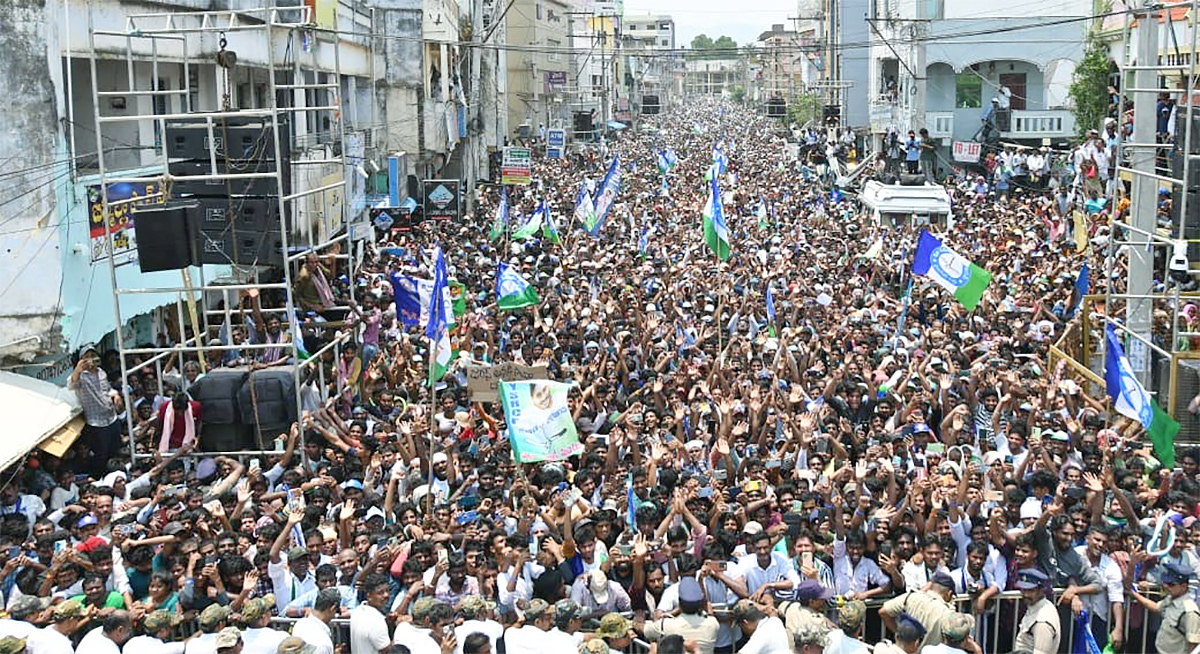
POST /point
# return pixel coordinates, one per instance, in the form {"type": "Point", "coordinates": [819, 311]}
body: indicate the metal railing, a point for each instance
{"type": "Point", "coordinates": [995, 628]}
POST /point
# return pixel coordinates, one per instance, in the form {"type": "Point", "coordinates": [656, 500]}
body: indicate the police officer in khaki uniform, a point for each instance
{"type": "Point", "coordinates": [691, 623]}
{"type": "Point", "coordinates": [1179, 632]}
{"type": "Point", "coordinates": [928, 607]}
{"type": "Point", "coordinates": [807, 613]}
{"type": "Point", "coordinates": [1040, 629]}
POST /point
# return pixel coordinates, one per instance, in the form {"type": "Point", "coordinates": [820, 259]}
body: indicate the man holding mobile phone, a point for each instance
{"type": "Point", "coordinates": [101, 403]}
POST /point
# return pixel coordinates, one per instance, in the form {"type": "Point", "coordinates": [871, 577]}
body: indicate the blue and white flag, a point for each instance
{"type": "Point", "coordinates": [437, 329]}
{"type": "Point", "coordinates": [412, 296]}
{"type": "Point", "coordinates": [643, 241]}
{"type": "Point", "coordinates": [1130, 399]}
{"type": "Point", "coordinates": [720, 161]}
{"type": "Point", "coordinates": [770, 304]}
{"type": "Point", "coordinates": [606, 195]}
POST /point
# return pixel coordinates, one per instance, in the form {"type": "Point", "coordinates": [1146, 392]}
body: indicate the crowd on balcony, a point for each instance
{"type": "Point", "coordinates": [797, 446]}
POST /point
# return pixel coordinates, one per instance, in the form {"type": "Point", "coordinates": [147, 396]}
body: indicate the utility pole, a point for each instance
{"type": "Point", "coordinates": [1145, 196]}
{"type": "Point", "coordinates": [474, 134]}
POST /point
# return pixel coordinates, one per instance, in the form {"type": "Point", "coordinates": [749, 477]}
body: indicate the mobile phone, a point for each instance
{"type": "Point", "coordinates": [935, 448]}
{"type": "Point", "coordinates": [704, 493]}
{"type": "Point", "coordinates": [797, 506]}
{"type": "Point", "coordinates": [14, 551]}
{"type": "Point", "coordinates": [806, 559]}
{"type": "Point", "coordinates": [533, 545]}
{"type": "Point", "coordinates": [468, 502]}
{"type": "Point", "coordinates": [624, 550]}
{"type": "Point", "coordinates": [255, 464]}
{"type": "Point", "coordinates": [467, 518]}
{"type": "Point", "coordinates": [752, 485]}
{"type": "Point", "coordinates": [722, 565]}
{"type": "Point", "coordinates": [720, 474]}
{"type": "Point", "coordinates": [59, 546]}
{"type": "Point", "coordinates": [443, 556]}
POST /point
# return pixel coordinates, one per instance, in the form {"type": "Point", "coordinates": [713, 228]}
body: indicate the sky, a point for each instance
{"type": "Point", "coordinates": [717, 17]}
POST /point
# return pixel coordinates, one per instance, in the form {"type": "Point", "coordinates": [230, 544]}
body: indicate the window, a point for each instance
{"type": "Point", "coordinates": [664, 25]}
{"type": "Point", "coordinates": [664, 43]}
{"type": "Point", "coordinates": [968, 91]}
{"type": "Point", "coordinates": [931, 9]}
{"type": "Point", "coordinates": [539, 10]}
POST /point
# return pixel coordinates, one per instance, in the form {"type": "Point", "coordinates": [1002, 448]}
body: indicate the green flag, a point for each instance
{"type": "Point", "coordinates": [458, 297]}
{"type": "Point", "coordinates": [1162, 431]}
{"type": "Point", "coordinates": [513, 292]}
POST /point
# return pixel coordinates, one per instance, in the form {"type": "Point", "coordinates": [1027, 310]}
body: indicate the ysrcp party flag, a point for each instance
{"type": "Point", "coordinates": [1130, 399]}
{"type": "Point", "coordinates": [950, 270]}
{"type": "Point", "coordinates": [531, 226]}
{"type": "Point", "coordinates": [501, 221]}
{"type": "Point", "coordinates": [606, 194]}
{"type": "Point", "coordinates": [412, 299]}
{"type": "Point", "coordinates": [540, 426]}
{"type": "Point", "coordinates": [716, 232]}
{"type": "Point", "coordinates": [512, 291]}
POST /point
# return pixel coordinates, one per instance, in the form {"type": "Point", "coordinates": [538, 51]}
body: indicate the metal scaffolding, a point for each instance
{"type": "Point", "coordinates": [179, 39]}
{"type": "Point", "coordinates": [1154, 62]}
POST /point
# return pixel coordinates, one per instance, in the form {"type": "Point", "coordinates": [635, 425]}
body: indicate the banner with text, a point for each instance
{"type": "Point", "coordinates": [483, 382]}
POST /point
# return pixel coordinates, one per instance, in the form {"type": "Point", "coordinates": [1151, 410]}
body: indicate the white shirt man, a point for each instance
{"type": "Point", "coordinates": [316, 633]}
{"type": "Point", "coordinates": [492, 629]}
{"type": "Point", "coordinates": [52, 641]}
{"type": "Point", "coordinates": [98, 642]}
{"type": "Point", "coordinates": [770, 637]}
{"type": "Point", "coordinates": [756, 576]}
{"type": "Point", "coordinates": [368, 630]}
{"type": "Point", "coordinates": [855, 578]}
{"type": "Point", "coordinates": [417, 639]}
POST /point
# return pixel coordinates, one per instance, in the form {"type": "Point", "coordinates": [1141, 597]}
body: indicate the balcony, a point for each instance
{"type": "Point", "coordinates": [963, 124]}
{"type": "Point", "coordinates": [1042, 124]}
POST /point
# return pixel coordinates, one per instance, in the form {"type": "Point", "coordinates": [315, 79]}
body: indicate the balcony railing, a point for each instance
{"type": "Point", "coordinates": [1035, 124]}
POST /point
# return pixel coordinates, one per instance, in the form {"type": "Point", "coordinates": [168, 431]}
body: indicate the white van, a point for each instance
{"type": "Point", "coordinates": [893, 205]}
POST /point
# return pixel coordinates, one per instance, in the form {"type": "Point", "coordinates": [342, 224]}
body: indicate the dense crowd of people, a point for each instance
{"type": "Point", "coordinates": [867, 465]}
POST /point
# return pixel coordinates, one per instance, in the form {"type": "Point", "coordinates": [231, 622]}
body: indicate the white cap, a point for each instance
{"type": "Point", "coordinates": [1031, 508]}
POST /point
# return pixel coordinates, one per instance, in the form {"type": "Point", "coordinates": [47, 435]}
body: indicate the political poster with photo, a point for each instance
{"type": "Point", "coordinates": [540, 426]}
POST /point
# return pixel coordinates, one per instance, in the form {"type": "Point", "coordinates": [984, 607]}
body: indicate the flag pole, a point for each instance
{"type": "Point", "coordinates": [432, 423]}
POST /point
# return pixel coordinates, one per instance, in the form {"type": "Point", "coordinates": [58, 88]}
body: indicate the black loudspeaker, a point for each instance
{"type": "Point", "coordinates": [163, 235]}
{"type": "Point", "coordinates": [248, 139]}
{"type": "Point", "coordinates": [1191, 229]}
{"type": "Point", "coordinates": [911, 180]}
{"type": "Point", "coordinates": [1181, 131]}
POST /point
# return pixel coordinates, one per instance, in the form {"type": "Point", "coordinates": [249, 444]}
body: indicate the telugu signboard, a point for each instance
{"type": "Point", "coordinates": [122, 198]}
{"type": "Point", "coordinates": [555, 81]}
{"type": "Point", "coordinates": [442, 199]}
{"type": "Point", "coordinates": [966, 151]}
{"type": "Point", "coordinates": [483, 382]}
{"type": "Point", "coordinates": [515, 166]}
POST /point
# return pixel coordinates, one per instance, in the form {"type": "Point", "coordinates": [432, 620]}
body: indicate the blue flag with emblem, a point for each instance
{"type": "Point", "coordinates": [1130, 399]}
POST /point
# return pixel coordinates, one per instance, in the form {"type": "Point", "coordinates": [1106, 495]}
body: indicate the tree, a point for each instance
{"type": "Point", "coordinates": [805, 107]}
{"type": "Point", "coordinates": [703, 47]}
{"type": "Point", "coordinates": [702, 42]}
{"type": "Point", "coordinates": [737, 92]}
{"type": "Point", "coordinates": [1089, 87]}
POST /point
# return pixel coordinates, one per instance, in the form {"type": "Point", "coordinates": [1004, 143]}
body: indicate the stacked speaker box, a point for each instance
{"type": "Point", "coordinates": [163, 234]}
{"type": "Point", "coordinates": [232, 220]}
